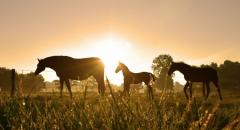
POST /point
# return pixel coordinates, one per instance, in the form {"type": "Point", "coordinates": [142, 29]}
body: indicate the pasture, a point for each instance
{"type": "Point", "coordinates": [88, 110]}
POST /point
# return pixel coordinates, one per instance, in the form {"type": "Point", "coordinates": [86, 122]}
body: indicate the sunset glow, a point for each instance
{"type": "Point", "coordinates": [111, 49]}
{"type": "Point", "coordinates": [119, 64]}
{"type": "Point", "coordinates": [131, 32]}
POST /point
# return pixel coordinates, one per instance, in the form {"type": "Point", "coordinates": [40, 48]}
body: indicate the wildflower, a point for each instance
{"type": "Point", "coordinates": [55, 127]}
{"type": "Point", "coordinates": [205, 124]}
{"type": "Point", "coordinates": [177, 104]}
{"type": "Point", "coordinates": [209, 116]}
{"type": "Point", "coordinates": [73, 103]}
{"type": "Point", "coordinates": [206, 111]}
{"type": "Point", "coordinates": [80, 123]}
{"type": "Point", "coordinates": [23, 103]}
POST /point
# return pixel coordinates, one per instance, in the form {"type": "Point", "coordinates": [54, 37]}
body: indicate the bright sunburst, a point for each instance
{"type": "Point", "coordinates": [111, 50]}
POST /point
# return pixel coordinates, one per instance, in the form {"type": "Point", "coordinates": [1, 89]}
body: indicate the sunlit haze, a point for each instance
{"type": "Point", "coordinates": [134, 32]}
{"type": "Point", "coordinates": [111, 49]}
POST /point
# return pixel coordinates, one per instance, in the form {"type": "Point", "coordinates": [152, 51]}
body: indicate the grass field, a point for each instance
{"type": "Point", "coordinates": [168, 111]}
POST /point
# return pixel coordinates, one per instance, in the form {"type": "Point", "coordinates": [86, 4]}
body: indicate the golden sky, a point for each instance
{"type": "Point", "coordinates": [197, 32]}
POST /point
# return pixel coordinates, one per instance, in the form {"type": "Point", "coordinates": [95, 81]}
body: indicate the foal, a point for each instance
{"type": "Point", "coordinates": [135, 78]}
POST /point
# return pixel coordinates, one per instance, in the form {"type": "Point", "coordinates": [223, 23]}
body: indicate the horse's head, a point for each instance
{"type": "Point", "coordinates": [119, 67]}
{"type": "Point", "coordinates": [40, 67]}
{"type": "Point", "coordinates": [172, 68]}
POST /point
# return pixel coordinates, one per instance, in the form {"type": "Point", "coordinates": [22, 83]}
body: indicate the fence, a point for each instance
{"type": "Point", "coordinates": [13, 83]}
{"type": "Point", "coordinates": [17, 85]}
{"type": "Point", "coordinates": [18, 88]}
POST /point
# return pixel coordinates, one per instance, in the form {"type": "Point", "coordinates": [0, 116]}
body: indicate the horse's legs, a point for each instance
{"type": "Point", "coordinates": [150, 92]}
{"type": "Point", "coordinates": [208, 89]}
{"type": "Point", "coordinates": [149, 87]}
{"type": "Point", "coordinates": [61, 86]}
{"type": "Point", "coordinates": [218, 89]}
{"type": "Point", "coordinates": [203, 90]}
{"type": "Point", "coordinates": [126, 86]}
{"type": "Point", "coordinates": [101, 85]}
{"type": "Point", "coordinates": [185, 89]}
{"type": "Point", "coordinates": [69, 87]}
{"type": "Point", "coordinates": [190, 89]}
{"type": "Point", "coordinates": [126, 89]}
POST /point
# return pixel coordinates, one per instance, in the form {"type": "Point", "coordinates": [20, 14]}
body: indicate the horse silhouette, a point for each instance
{"type": "Point", "coordinates": [76, 69]}
{"type": "Point", "coordinates": [135, 78]}
{"type": "Point", "coordinates": [196, 74]}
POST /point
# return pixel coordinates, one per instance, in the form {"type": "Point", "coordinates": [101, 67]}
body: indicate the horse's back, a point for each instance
{"type": "Point", "coordinates": [70, 59]}
{"type": "Point", "coordinates": [210, 73]}
{"type": "Point", "coordinates": [203, 74]}
{"type": "Point", "coordinates": [69, 67]}
{"type": "Point", "coordinates": [143, 76]}
{"type": "Point", "coordinates": [91, 61]}
{"type": "Point", "coordinates": [82, 62]}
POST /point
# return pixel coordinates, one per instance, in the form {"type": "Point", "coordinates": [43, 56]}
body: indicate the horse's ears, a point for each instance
{"type": "Point", "coordinates": [38, 59]}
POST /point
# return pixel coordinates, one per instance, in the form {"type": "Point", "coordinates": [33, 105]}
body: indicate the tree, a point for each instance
{"type": "Point", "coordinates": [5, 79]}
{"type": "Point", "coordinates": [229, 74]}
{"type": "Point", "coordinates": [30, 82]}
{"type": "Point", "coordinates": [24, 82]}
{"type": "Point", "coordinates": [212, 65]}
{"type": "Point", "coordinates": [160, 67]}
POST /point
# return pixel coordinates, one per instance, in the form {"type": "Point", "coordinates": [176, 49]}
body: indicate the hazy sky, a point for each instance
{"type": "Point", "coordinates": [194, 31]}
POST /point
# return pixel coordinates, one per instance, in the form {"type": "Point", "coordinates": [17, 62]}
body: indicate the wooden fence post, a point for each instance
{"type": "Point", "coordinates": [13, 79]}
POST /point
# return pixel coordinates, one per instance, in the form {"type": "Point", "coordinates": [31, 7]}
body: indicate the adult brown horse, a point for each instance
{"type": "Point", "coordinates": [196, 74]}
{"type": "Point", "coordinates": [77, 69]}
{"type": "Point", "coordinates": [135, 78]}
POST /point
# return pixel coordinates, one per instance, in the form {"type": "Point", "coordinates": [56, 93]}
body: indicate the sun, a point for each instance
{"type": "Point", "coordinates": [111, 50]}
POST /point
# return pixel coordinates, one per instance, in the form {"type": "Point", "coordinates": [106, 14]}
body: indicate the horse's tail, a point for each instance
{"type": "Point", "coordinates": [153, 77]}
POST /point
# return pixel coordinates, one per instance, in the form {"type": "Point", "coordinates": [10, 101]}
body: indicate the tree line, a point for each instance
{"type": "Point", "coordinates": [228, 72]}
{"type": "Point", "coordinates": [26, 82]}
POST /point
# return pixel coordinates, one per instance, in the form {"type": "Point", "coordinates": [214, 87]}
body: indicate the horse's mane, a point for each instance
{"type": "Point", "coordinates": [184, 65]}
{"type": "Point", "coordinates": [123, 65]}
{"type": "Point", "coordinates": [57, 57]}
{"type": "Point", "coordinates": [66, 58]}
{"type": "Point", "coordinates": [181, 63]}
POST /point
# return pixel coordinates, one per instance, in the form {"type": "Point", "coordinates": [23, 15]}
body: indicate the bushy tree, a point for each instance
{"type": "Point", "coordinates": [229, 74]}
{"type": "Point", "coordinates": [5, 79]}
{"type": "Point", "coordinates": [24, 82]}
{"type": "Point", "coordinates": [160, 67]}
{"type": "Point", "coordinates": [30, 82]}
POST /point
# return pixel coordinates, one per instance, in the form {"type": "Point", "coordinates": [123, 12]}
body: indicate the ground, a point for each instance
{"type": "Point", "coordinates": [89, 110]}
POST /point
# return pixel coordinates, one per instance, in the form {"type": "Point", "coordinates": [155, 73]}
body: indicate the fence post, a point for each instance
{"type": "Point", "coordinates": [13, 83]}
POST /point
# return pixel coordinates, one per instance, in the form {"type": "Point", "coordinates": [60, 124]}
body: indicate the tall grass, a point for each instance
{"type": "Point", "coordinates": [168, 111]}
